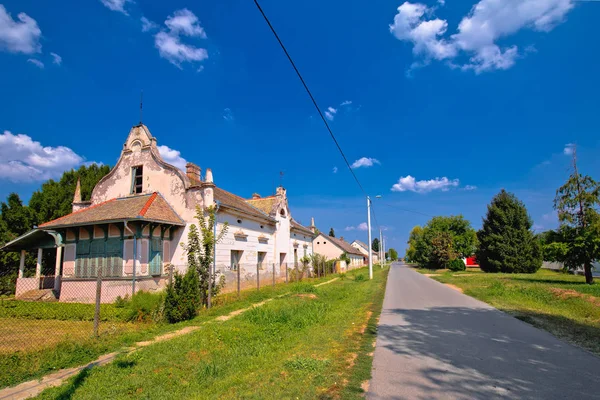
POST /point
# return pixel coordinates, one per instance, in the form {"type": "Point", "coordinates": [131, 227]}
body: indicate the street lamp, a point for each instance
{"type": "Point", "coordinates": [381, 251]}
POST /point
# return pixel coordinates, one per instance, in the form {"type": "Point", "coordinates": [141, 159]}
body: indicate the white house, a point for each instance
{"type": "Point", "coordinates": [333, 248]}
{"type": "Point", "coordinates": [360, 246]}
{"type": "Point", "coordinates": [136, 220]}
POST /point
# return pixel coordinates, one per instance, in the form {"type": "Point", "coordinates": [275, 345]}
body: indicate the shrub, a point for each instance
{"type": "Point", "coordinates": [360, 278]}
{"type": "Point", "coordinates": [456, 265]}
{"type": "Point", "coordinates": [121, 302]}
{"type": "Point", "coordinates": [182, 298]}
{"type": "Point", "coordinates": [143, 307]}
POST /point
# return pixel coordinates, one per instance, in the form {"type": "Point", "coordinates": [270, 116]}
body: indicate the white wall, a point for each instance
{"type": "Point", "coordinates": [249, 245]}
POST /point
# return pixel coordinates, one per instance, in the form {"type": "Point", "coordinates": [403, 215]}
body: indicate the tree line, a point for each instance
{"type": "Point", "coordinates": [506, 242]}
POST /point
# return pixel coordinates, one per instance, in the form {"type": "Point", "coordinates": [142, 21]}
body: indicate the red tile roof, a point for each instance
{"type": "Point", "coordinates": [148, 207]}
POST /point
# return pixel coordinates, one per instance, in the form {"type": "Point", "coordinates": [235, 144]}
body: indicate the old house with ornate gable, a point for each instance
{"type": "Point", "coordinates": [138, 216]}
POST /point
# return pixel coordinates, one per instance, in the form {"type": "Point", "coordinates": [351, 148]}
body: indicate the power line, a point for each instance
{"type": "Point", "coordinates": [309, 94]}
{"type": "Point", "coordinates": [404, 209]}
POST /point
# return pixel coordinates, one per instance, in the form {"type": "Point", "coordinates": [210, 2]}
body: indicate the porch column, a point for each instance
{"type": "Point", "coordinates": [38, 267]}
{"type": "Point", "coordinates": [22, 264]}
{"type": "Point", "coordinates": [57, 268]}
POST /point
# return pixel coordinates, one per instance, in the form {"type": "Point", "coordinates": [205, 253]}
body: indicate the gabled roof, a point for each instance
{"type": "Point", "coordinates": [265, 204]}
{"type": "Point", "coordinates": [149, 207]}
{"type": "Point", "coordinates": [361, 244]}
{"type": "Point", "coordinates": [234, 202]}
{"type": "Point", "coordinates": [301, 228]}
{"type": "Point", "coordinates": [343, 245]}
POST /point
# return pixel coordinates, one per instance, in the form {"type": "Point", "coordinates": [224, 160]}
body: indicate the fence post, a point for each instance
{"type": "Point", "coordinates": [98, 295]}
{"type": "Point", "coordinates": [296, 269]}
{"type": "Point", "coordinates": [286, 273]}
{"type": "Point", "coordinates": [238, 279]}
{"type": "Point", "coordinates": [171, 269]}
{"type": "Point", "coordinates": [273, 274]}
{"type": "Point", "coordinates": [257, 277]}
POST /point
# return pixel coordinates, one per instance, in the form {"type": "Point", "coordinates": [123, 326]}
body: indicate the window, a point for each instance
{"type": "Point", "coordinates": [156, 256]}
{"type": "Point", "coordinates": [282, 213]}
{"type": "Point", "coordinates": [236, 257]}
{"type": "Point", "coordinates": [262, 256]}
{"type": "Point", "coordinates": [137, 179]}
{"type": "Point", "coordinates": [92, 255]}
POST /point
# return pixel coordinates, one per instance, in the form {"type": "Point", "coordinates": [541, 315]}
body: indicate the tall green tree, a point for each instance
{"type": "Point", "coordinates": [506, 241]}
{"type": "Point", "coordinates": [331, 232]}
{"type": "Point", "coordinates": [375, 244]}
{"type": "Point", "coordinates": [441, 240]}
{"type": "Point", "coordinates": [392, 254]}
{"type": "Point", "coordinates": [412, 253]}
{"type": "Point", "coordinates": [577, 203]}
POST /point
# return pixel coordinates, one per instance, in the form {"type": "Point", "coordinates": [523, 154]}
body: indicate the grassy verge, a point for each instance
{"type": "Point", "coordinates": [313, 343]}
{"type": "Point", "coordinates": [48, 345]}
{"type": "Point", "coordinates": [559, 303]}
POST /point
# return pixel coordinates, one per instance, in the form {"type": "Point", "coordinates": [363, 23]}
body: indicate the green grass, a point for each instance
{"type": "Point", "coordinates": [309, 344]}
{"type": "Point", "coordinates": [557, 302]}
{"type": "Point", "coordinates": [58, 311]}
{"type": "Point", "coordinates": [36, 344]}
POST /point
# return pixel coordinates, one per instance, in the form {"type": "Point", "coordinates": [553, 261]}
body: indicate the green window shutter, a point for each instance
{"type": "Point", "coordinates": [114, 257]}
{"type": "Point", "coordinates": [156, 256]}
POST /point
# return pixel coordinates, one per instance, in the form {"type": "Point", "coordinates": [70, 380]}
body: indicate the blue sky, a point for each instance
{"type": "Point", "coordinates": [448, 101]}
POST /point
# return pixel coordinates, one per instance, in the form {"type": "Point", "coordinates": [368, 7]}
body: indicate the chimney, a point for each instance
{"type": "Point", "coordinates": [312, 227]}
{"type": "Point", "coordinates": [255, 196]}
{"type": "Point", "coordinates": [342, 238]}
{"type": "Point", "coordinates": [209, 176]}
{"type": "Point", "coordinates": [193, 173]}
{"type": "Point", "coordinates": [77, 195]}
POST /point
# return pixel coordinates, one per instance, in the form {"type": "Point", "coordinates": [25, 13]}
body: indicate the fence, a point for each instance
{"type": "Point", "coordinates": [39, 313]}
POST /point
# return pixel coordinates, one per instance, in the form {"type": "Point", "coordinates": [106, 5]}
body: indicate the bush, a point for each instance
{"type": "Point", "coordinates": [360, 278]}
{"type": "Point", "coordinates": [457, 265]}
{"type": "Point", "coordinates": [182, 299]}
{"type": "Point", "coordinates": [143, 307]}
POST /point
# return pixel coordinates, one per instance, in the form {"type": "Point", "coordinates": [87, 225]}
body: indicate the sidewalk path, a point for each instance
{"type": "Point", "coordinates": [435, 343]}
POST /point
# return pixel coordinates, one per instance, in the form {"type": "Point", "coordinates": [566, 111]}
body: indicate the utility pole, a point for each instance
{"type": "Point", "coordinates": [380, 247]}
{"type": "Point", "coordinates": [370, 244]}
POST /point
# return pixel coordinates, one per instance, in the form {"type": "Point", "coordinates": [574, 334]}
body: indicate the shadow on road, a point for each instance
{"type": "Point", "coordinates": [466, 353]}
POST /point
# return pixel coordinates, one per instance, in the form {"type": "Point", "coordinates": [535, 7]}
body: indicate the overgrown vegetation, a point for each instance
{"type": "Point", "coordinates": [456, 265]}
{"type": "Point", "coordinates": [298, 346]}
{"type": "Point", "coordinates": [53, 336]}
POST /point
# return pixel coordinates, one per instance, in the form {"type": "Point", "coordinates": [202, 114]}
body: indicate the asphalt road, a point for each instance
{"type": "Point", "coordinates": [435, 343]}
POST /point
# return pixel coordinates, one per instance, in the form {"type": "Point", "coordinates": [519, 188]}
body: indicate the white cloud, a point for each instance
{"type": "Point", "coordinates": [24, 160]}
{"type": "Point", "coordinates": [346, 103]}
{"type": "Point", "coordinates": [116, 5]}
{"type": "Point", "coordinates": [470, 187]}
{"type": "Point", "coordinates": [172, 157]}
{"type": "Point", "coordinates": [365, 162]}
{"type": "Point", "coordinates": [168, 42]}
{"type": "Point", "coordinates": [22, 36]}
{"type": "Point", "coordinates": [56, 59]}
{"type": "Point", "coordinates": [148, 25]}
{"type": "Point", "coordinates": [410, 184]}
{"type": "Point", "coordinates": [330, 113]}
{"type": "Point", "coordinates": [477, 33]}
{"type": "Point", "coordinates": [569, 149]}
{"type": "Point", "coordinates": [360, 227]}
{"type": "Point", "coordinates": [37, 63]}
{"type": "Point", "coordinates": [228, 115]}
{"type": "Point", "coordinates": [442, 2]}
{"type": "Point", "coordinates": [185, 22]}
{"type": "Point", "coordinates": [335, 170]}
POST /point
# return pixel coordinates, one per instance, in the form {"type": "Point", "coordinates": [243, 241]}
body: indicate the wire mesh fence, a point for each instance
{"type": "Point", "coordinates": [40, 312]}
